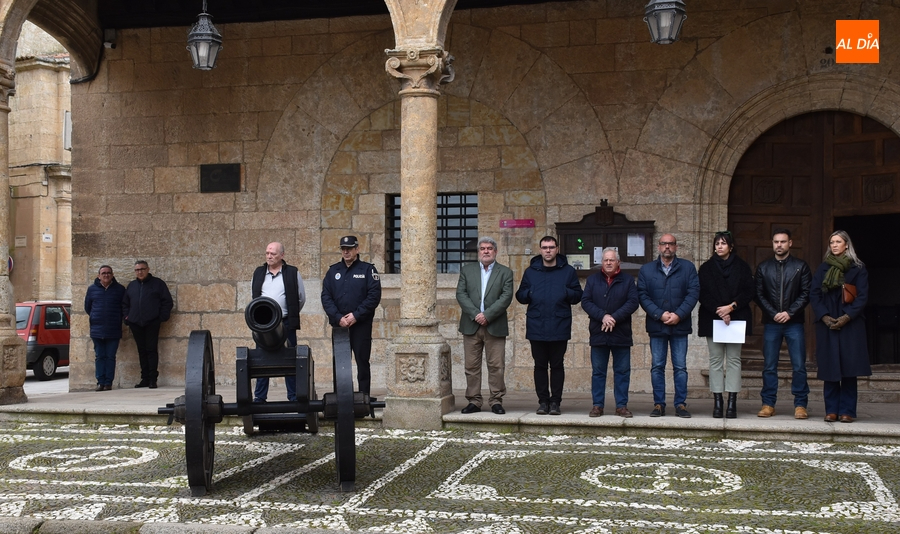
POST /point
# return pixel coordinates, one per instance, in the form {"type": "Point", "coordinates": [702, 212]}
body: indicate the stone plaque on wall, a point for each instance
{"type": "Point", "coordinates": [220, 178]}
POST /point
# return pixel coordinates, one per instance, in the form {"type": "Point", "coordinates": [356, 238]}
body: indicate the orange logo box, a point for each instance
{"type": "Point", "coordinates": [856, 41]}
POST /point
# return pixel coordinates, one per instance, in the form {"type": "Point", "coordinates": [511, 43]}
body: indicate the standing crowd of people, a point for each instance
{"type": "Point", "coordinates": [667, 289]}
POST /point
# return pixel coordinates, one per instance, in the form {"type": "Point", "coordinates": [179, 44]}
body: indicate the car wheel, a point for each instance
{"type": "Point", "coordinates": [45, 366]}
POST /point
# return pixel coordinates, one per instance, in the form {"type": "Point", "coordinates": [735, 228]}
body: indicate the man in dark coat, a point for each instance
{"type": "Point", "coordinates": [549, 287]}
{"type": "Point", "coordinates": [103, 304]}
{"type": "Point", "coordinates": [146, 305]}
{"type": "Point", "coordinates": [350, 293]}
{"type": "Point", "coordinates": [610, 298]}
{"type": "Point", "coordinates": [668, 289]}
{"type": "Point", "coordinates": [282, 283]}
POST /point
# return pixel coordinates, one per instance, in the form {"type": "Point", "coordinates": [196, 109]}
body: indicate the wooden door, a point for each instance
{"type": "Point", "coordinates": [802, 174]}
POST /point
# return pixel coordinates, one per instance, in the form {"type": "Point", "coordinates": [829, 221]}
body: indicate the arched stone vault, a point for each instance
{"type": "Point", "coordinates": [70, 22]}
{"type": "Point", "coordinates": [544, 105]}
{"type": "Point", "coordinates": [778, 80]}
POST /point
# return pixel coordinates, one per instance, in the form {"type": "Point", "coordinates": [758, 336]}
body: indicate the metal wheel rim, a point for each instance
{"type": "Point", "coordinates": [199, 440]}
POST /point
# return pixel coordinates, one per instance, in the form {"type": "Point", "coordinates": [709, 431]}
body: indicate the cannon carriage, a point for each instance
{"type": "Point", "coordinates": [200, 408]}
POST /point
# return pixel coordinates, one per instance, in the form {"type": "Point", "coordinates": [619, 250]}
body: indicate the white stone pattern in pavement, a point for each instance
{"type": "Point", "coordinates": [453, 482]}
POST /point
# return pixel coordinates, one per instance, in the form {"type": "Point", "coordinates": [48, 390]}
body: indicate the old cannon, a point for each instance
{"type": "Point", "coordinates": [200, 408]}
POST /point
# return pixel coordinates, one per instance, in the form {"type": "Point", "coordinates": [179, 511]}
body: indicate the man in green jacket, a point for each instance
{"type": "Point", "coordinates": [484, 292]}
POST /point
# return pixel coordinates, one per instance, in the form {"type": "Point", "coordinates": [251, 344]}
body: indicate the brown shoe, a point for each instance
{"type": "Point", "coordinates": [800, 412]}
{"type": "Point", "coordinates": [831, 418]}
{"type": "Point", "coordinates": [767, 411]}
{"type": "Point", "coordinates": [100, 387]}
{"type": "Point", "coordinates": [624, 412]}
{"type": "Point", "coordinates": [596, 411]}
{"type": "Point", "coordinates": [846, 419]}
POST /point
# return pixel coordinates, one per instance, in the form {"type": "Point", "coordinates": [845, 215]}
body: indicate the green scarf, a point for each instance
{"type": "Point", "coordinates": [834, 278]}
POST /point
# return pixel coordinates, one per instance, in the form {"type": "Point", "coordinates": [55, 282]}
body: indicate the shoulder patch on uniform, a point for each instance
{"type": "Point", "coordinates": [374, 275]}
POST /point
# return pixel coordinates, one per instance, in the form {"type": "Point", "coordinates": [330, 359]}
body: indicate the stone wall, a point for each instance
{"type": "Point", "coordinates": [554, 107]}
{"type": "Point", "coordinates": [38, 169]}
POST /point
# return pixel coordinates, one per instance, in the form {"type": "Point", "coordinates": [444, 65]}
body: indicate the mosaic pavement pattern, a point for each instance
{"type": "Point", "coordinates": [454, 482]}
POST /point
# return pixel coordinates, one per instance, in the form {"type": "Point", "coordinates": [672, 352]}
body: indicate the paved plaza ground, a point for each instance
{"type": "Point", "coordinates": [451, 481]}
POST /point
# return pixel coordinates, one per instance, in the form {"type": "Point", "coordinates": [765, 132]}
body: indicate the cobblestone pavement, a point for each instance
{"type": "Point", "coordinates": [452, 482]}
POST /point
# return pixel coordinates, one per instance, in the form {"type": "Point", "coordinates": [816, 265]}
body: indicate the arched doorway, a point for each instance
{"type": "Point", "coordinates": [812, 174]}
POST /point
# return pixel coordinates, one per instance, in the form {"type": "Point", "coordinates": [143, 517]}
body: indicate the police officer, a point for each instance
{"type": "Point", "coordinates": [350, 293]}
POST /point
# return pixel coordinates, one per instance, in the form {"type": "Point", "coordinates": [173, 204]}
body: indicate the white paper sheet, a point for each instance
{"type": "Point", "coordinates": [732, 333]}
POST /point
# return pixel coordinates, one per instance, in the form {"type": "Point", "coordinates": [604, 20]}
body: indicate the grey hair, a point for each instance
{"type": "Point", "coordinates": [486, 239]}
{"type": "Point", "coordinates": [614, 249]}
{"type": "Point", "coordinates": [850, 252]}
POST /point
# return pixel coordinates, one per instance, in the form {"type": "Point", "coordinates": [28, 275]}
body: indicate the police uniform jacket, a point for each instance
{"type": "Point", "coordinates": [355, 289]}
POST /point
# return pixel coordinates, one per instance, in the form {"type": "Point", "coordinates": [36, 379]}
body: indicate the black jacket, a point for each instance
{"type": "Point", "coordinates": [355, 289]}
{"type": "Point", "coordinates": [292, 293]}
{"type": "Point", "coordinates": [783, 286]}
{"type": "Point", "coordinates": [619, 299]}
{"type": "Point", "coordinates": [718, 290]}
{"type": "Point", "coordinates": [104, 308]}
{"type": "Point", "coordinates": [549, 293]}
{"type": "Point", "coordinates": [147, 301]}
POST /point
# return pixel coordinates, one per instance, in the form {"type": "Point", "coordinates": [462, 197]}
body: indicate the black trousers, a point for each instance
{"type": "Point", "coordinates": [361, 346]}
{"type": "Point", "coordinates": [147, 340]}
{"type": "Point", "coordinates": [549, 354]}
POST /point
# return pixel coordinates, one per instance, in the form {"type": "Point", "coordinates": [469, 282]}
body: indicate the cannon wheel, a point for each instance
{"type": "Point", "coordinates": [199, 431]}
{"type": "Point", "coordinates": [344, 425]}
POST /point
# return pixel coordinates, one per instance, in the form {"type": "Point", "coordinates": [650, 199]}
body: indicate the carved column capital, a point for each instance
{"type": "Point", "coordinates": [420, 71]}
{"type": "Point", "coordinates": [7, 85]}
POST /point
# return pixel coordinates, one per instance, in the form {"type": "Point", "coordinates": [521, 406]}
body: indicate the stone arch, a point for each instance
{"type": "Point", "coordinates": [539, 99]}
{"type": "Point", "coordinates": [480, 150]}
{"type": "Point", "coordinates": [863, 95]}
{"type": "Point", "coordinates": [66, 20]}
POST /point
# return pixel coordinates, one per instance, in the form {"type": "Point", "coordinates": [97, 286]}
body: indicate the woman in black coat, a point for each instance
{"type": "Point", "coordinates": [841, 351]}
{"type": "Point", "coordinates": [726, 290]}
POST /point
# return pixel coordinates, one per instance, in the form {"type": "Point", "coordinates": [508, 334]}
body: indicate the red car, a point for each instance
{"type": "Point", "coordinates": [44, 325]}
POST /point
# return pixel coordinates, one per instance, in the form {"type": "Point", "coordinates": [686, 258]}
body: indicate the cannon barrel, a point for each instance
{"type": "Point", "coordinates": [263, 316]}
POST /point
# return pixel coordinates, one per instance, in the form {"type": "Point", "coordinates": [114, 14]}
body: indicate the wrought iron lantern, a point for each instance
{"type": "Point", "coordinates": [204, 42]}
{"type": "Point", "coordinates": [664, 18]}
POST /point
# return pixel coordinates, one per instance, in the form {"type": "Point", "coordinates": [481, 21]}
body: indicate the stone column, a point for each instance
{"type": "Point", "coordinates": [12, 348]}
{"type": "Point", "coordinates": [418, 370]}
{"type": "Point", "coordinates": [61, 177]}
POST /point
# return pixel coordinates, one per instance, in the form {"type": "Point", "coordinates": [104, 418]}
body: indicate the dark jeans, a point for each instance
{"type": "Point", "coordinates": [147, 340]}
{"type": "Point", "coordinates": [792, 333]}
{"type": "Point", "coordinates": [552, 354]}
{"type": "Point", "coordinates": [361, 346]}
{"type": "Point", "coordinates": [840, 397]}
{"type": "Point", "coordinates": [261, 392]}
{"type": "Point", "coordinates": [621, 374]}
{"type": "Point", "coordinates": [659, 347]}
{"type": "Point", "coordinates": [105, 360]}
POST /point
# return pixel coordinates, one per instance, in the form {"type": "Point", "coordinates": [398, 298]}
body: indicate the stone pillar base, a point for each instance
{"type": "Point", "coordinates": [419, 414]}
{"type": "Point", "coordinates": [420, 391]}
{"type": "Point", "coordinates": [12, 364]}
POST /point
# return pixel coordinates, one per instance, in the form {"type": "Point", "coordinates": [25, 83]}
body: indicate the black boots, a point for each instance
{"type": "Point", "coordinates": [717, 406]}
{"type": "Point", "coordinates": [731, 411]}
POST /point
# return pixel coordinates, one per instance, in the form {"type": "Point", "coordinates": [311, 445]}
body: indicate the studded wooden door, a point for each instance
{"type": "Point", "coordinates": [802, 174]}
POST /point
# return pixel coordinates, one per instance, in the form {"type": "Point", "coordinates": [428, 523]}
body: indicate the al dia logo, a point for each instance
{"type": "Point", "coordinates": [856, 41]}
